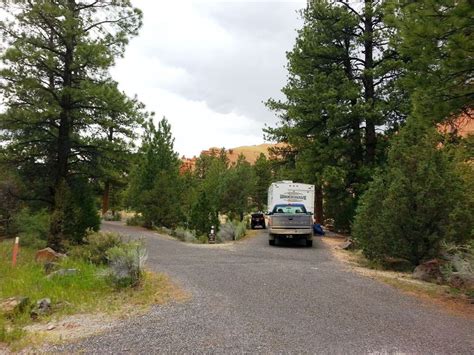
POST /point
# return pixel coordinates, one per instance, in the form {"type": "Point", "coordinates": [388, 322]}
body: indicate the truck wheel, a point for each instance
{"type": "Point", "coordinates": [309, 243]}
{"type": "Point", "coordinates": [271, 242]}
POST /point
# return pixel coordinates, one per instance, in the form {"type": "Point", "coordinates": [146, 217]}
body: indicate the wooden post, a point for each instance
{"type": "Point", "coordinates": [16, 247]}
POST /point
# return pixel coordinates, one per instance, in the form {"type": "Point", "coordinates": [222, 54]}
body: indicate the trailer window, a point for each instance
{"type": "Point", "coordinates": [291, 209]}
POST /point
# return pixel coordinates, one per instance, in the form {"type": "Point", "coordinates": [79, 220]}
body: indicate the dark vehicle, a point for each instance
{"type": "Point", "coordinates": [258, 219]}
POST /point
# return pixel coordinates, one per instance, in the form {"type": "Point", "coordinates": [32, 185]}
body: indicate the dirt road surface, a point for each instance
{"type": "Point", "coordinates": [249, 297]}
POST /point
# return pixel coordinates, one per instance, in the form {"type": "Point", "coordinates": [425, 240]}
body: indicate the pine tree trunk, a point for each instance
{"type": "Point", "coordinates": [318, 205]}
{"type": "Point", "coordinates": [106, 197]}
{"type": "Point", "coordinates": [60, 189]}
{"type": "Point", "coordinates": [369, 95]}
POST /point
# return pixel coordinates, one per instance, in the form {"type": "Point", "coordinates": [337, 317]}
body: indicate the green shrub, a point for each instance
{"type": "Point", "coordinates": [164, 230]}
{"type": "Point", "coordinates": [80, 211]}
{"type": "Point", "coordinates": [232, 231]}
{"type": "Point", "coordinates": [408, 210]}
{"type": "Point", "coordinates": [226, 232]}
{"type": "Point", "coordinates": [203, 215]}
{"type": "Point", "coordinates": [33, 227]}
{"type": "Point", "coordinates": [203, 239]}
{"type": "Point", "coordinates": [95, 247]}
{"type": "Point", "coordinates": [136, 220]}
{"type": "Point", "coordinates": [185, 235]}
{"type": "Point", "coordinates": [126, 264]}
{"type": "Point", "coordinates": [240, 230]}
{"type": "Point", "coordinates": [116, 216]}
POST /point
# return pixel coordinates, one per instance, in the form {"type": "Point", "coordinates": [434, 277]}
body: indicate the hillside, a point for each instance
{"type": "Point", "coordinates": [251, 153]}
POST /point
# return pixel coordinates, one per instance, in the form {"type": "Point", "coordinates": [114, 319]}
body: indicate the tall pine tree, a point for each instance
{"type": "Point", "coordinates": [60, 99]}
{"type": "Point", "coordinates": [340, 89]}
{"type": "Point", "coordinates": [155, 188]}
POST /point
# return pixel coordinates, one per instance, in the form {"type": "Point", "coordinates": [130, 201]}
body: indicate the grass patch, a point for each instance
{"type": "Point", "coordinates": [88, 291]}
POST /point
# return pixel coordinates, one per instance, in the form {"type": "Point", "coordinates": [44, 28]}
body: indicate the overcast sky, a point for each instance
{"type": "Point", "coordinates": [208, 65]}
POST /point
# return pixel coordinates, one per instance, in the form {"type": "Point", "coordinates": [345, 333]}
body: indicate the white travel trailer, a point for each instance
{"type": "Point", "coordinates": [287, 191]}
{"type": "Point", "coordinates": [290, 211]}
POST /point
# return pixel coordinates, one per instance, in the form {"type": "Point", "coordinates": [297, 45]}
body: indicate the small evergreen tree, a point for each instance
{"type": "Point", "coordinates": [238, 188]}
{"type": "Point", "coordinates": [414, 203]}
{"type": "Point", "coordinates": [203, 215]}
{"type": "Point", "coordinates": [155, 187]}
{"type": "Point", "coordinates": [263, 178]}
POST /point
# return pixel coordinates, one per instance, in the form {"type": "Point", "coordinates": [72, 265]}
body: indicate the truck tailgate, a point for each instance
{"type": "Point", "coordinates": [294, 221]}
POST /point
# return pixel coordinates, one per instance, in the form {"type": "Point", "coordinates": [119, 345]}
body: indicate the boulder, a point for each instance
{"type": "Point", "coordinates": [63, 272]}
{"type": "Point", "coordinates": [48, 255]}
{"type": "Point", "coordinates": [50, 266]}
{"type": "Point", "coordinates": [43, 306]}
{"type": "Point", "coordinates": [348, 245]}
{"type": "Point", "coordinates": [462, 280]}
{"type": "Point", "coordinates": [429, 271]}
{"type": "Point", "coordinates": [13, 304]}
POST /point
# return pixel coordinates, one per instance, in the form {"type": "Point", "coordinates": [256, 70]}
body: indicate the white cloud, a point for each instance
{"type": "Point", "coordinates": [208, 65]}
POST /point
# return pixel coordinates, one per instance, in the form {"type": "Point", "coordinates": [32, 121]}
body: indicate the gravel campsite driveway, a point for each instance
{"type": "Point", "coordinates": [252, 298]}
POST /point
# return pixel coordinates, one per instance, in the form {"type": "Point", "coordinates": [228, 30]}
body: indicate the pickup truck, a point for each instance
{"type": "Point", "coordinates": [290, 221]}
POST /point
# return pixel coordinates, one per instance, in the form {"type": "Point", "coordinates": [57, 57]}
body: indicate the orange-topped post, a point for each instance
{"type": "Point", "coordinates": [16, 247]}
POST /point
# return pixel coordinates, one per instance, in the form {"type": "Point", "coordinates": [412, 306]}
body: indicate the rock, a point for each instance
{"type": "Point", "coordinates": [63, 272]}
{"type": "Point", "coordinates": [43, 306]}
{"type": "Point", "coordinates": [348, 245]}
{"type": "Point", "coordinates": [51, 327]}
{"type": "Point", "coordinates": [462, 281]}
{"type": "Point", "coordinates": [429, 271]}
{"type": "Point", "coordinates": [34, 314]}
{"type": "Point", "coordinates": [50, 266]}
{"type": "Point", "coordinates": [48, 255]}
{"type": "Point", "coordinates": [13, 304]}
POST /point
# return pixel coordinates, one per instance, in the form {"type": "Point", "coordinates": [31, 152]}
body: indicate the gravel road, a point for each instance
{"type": "Point", "coordinates": [252, 298]}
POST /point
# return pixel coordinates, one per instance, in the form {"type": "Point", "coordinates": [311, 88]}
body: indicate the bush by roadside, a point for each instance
{"type": "Point", "coordinates": [95, 247]}
{"type": "Point", "coordinates": [135, 220]}
{"type": "Point", "coordinates": [126, 264]}
{"type": "Point", "coordinates": [112, 216]}
{"type": "Point", "coordinates": [232, 230]}
{"type": "Point", "coordinates": [32, 227]}
{"type": "Point", "coordinates": [184, 235]}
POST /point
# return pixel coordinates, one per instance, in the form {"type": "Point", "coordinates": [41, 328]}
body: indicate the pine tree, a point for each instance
{"type": "Point", "coordinates": [414, 204]}
{"type": "Point", "coordinates": [239, 186]}
{"type": "Point", "coordinates": [436, 41]}
{"type": "Point", "coordinates": [340, 89]}
{"type": "Point", "coordinates": [60, 99]}
{"type": "Point", "coordinates": [263, 178]}
{"type": "Point", "coordinates": [155, 186]}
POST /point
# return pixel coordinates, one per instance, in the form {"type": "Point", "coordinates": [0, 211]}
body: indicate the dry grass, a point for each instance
{"type": "Point", "coordinates": [444, 297]}
{"type": "Point", "coordinates": [250, 233]}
